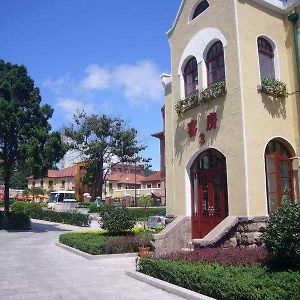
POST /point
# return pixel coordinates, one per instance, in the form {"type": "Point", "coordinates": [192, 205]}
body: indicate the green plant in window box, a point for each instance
{"type": "Point", "coordinates": [273, 88]}
{"type": "Point", "coordinates": [186, 104]}
{"type": "Point", "coordinates": [214, 91]}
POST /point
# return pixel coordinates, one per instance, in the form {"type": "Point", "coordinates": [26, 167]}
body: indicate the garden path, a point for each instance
{"type": "Point", "coordinates": [32, 267]}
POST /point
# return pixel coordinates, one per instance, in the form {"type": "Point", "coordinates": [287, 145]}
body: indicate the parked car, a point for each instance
{"type": "Point", "coordinates": [157, 221]}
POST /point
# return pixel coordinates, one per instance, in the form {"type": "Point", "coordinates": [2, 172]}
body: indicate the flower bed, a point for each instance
{"type": "Point", "coordinates": [273, 88]}
{"type": "Point", "coordinates": [230, 256]}
{"type": "Point", "coordinates": [225, 282]}
{"type": "Point", "coordinates": [97, 243]}
{"type": "Point", "coordinates": [214, 91]}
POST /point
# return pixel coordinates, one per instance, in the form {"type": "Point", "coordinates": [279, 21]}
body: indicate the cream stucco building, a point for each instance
{"type": "Point", "coordinates": [231, 129]}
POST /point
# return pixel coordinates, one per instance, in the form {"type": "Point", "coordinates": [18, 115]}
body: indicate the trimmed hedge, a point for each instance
{"type": "Point", "coordinates": [141, 214]}
{"type": "Point", "coordinates": [103, 243]}
{"type": "Point", "coordinates": [75, 219]}
{"type": "Point", "coordinates": [16, 221]}
{"type": "Point", "coordinates": [35, 210]}
{"type": "Point", "coordinates": [226, 282]}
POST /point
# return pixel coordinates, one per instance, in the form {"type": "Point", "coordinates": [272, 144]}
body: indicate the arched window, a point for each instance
{"type": "Point", "coordinates": [200, 8]}
{"type": "Point", "coordinates": [191, 77]}
{"type": "Point", "coordinates": [266, 59]}
{"type": "Point", "coordinates": [279, 175]}
{"type": "Point", "coordinates": [215, 63]}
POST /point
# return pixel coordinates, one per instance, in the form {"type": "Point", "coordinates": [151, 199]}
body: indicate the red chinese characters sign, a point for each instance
{"type": "Point", "coordinates": [192, 128]}
{"type": "Point", "coordinates": [211, 123]}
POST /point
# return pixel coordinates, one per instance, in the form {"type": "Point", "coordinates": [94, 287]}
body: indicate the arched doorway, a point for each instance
{"type": "Point", "coordinates": [209, 192]}
{"type": "Point", "coordinates": [279, 175]}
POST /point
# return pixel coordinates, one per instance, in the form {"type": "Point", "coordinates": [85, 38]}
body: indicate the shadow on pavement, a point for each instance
{"type": "Point", "coordinates": [41, 227]}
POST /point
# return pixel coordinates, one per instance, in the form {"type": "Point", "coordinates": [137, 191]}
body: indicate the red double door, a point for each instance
{"type": "Point", "coordinates": [210, 200]}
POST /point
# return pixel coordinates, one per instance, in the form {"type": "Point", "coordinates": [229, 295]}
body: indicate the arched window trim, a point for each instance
{"type": "Point", "coordinates": [276, 158]}
{"type": "Point", "coordinates": [208, 60]}
{"type": "Point", "coordinates": [195, 81]}
{"type": "Point", "coordinates": [275, 53]}
{"type": "Point", "coordinates": [192, 12]}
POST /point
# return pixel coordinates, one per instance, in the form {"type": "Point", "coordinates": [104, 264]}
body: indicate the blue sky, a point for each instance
{"type": "Point", "coordinates": [104, 56]}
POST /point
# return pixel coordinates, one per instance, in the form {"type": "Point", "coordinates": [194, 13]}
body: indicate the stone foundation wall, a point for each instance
{"type": "Point", "coordinates": [235, 232]}
{"type": "Point", "coordinates": [176, 236]}
{"type": "Point", "coordinates": [248, 233]}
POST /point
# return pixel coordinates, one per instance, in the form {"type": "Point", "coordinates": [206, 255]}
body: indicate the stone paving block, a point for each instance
{"type": "Point", "coordinates": [37, 269]}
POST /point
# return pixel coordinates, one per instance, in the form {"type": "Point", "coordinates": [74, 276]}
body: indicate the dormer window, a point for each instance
{"type": "Point", "coordinates": [200, 8]}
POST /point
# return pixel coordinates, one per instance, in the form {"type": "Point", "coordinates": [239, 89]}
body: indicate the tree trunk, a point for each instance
{"type": "Point", "coordinates": [99, 179]}
{"type": "Point", "coordinates": [6, 198]}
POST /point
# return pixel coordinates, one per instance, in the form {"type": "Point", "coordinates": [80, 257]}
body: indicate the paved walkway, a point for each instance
{"type": "Point", "coordinates": [32, 267]}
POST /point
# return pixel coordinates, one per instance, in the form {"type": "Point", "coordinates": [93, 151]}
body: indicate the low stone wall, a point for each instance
{"type": "Point", "coordinates": [247, 233]}
{"type": "Point", "coordinates": [176, 236]}
{"type": "Point", "coordinates": [235, 232]}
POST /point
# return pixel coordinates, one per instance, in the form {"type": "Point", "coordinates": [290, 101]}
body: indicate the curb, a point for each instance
{"type": "Point", "coordinates": [94, 257]}
{"type": "Point", "coordinates": [167, 287]}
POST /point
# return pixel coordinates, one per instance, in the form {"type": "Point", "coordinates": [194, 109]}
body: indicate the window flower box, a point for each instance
{"type": "Point", "coordinates": [186, 104]}
{"type": "Point", "coordinates": [273, 87]}
{"type": "Point", "coordinates": [214, 91]}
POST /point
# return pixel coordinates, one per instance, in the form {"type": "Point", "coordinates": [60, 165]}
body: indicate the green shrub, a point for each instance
{"type": "Point", "coordinates": [117, 219]}
{"type": "Point", "coordinates": [18, 207]}
{"type": "Point", "coordinates": [16, 221]}
{"type": "Point", "coordinates": [75, 219]}
{"type": "Point", "coordinates": [96, 209]}
{"type": "Point", "coordinates": [33, 210]}
{"type": "Point", "coordinates": [87, 242]}
{"type": "Point", "coordinates": [141, 214]}
{"type": "Point", "coordinates": [101, 242]}
{"type": "Point", "coordinates": [226, 282]}
{"type": "Point", "coordinates": [282, 235]}
{"type": "Point", "coordinates": [145, 201]}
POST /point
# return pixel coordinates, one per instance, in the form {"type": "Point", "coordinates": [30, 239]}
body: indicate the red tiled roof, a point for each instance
{"type": "Point", "coordinates": [156, 176]}
{"type": "Point", "coordinates": [125, 178]}
{"type": "Point", "coordinates": [67, 172]}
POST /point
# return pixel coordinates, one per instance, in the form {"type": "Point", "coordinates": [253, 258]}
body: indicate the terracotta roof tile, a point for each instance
{"type": "Point", "coordinates": [125, 178]}
{"type": "Point", "coordinates": [156, 176]}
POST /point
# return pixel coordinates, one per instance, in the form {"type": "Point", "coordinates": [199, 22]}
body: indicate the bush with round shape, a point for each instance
{"type": "Point", "coordinates": [33, 210]}
{"type": "Point", "coordinates": [282, 236]}
{"type": "Point", "coordinates": [18, 207]}
{"type": "Point", "coordinates": [117, 219]}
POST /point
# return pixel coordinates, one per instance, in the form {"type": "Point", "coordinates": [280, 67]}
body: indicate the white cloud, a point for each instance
{"type": "Point", "coordinates": [68, 107]}
{"type": "Point", "coordinates": [58, 85]}
{"type": "Point", "coordinates": [141, 82]}
{"type": "Point", "coordinates": [138, 83]}
{"type": "Point", "coordinates": [97, 79]}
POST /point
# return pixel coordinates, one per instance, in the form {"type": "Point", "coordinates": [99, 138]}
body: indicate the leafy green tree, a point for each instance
{"type": "Point", "coordinates": [103, 142]}
{"type": "Point", "coordinates": [148, 172]}
{"type": "Point", "coordinates": [25, 135]}
{"type": "Point", "coordinates": [19, 177]}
